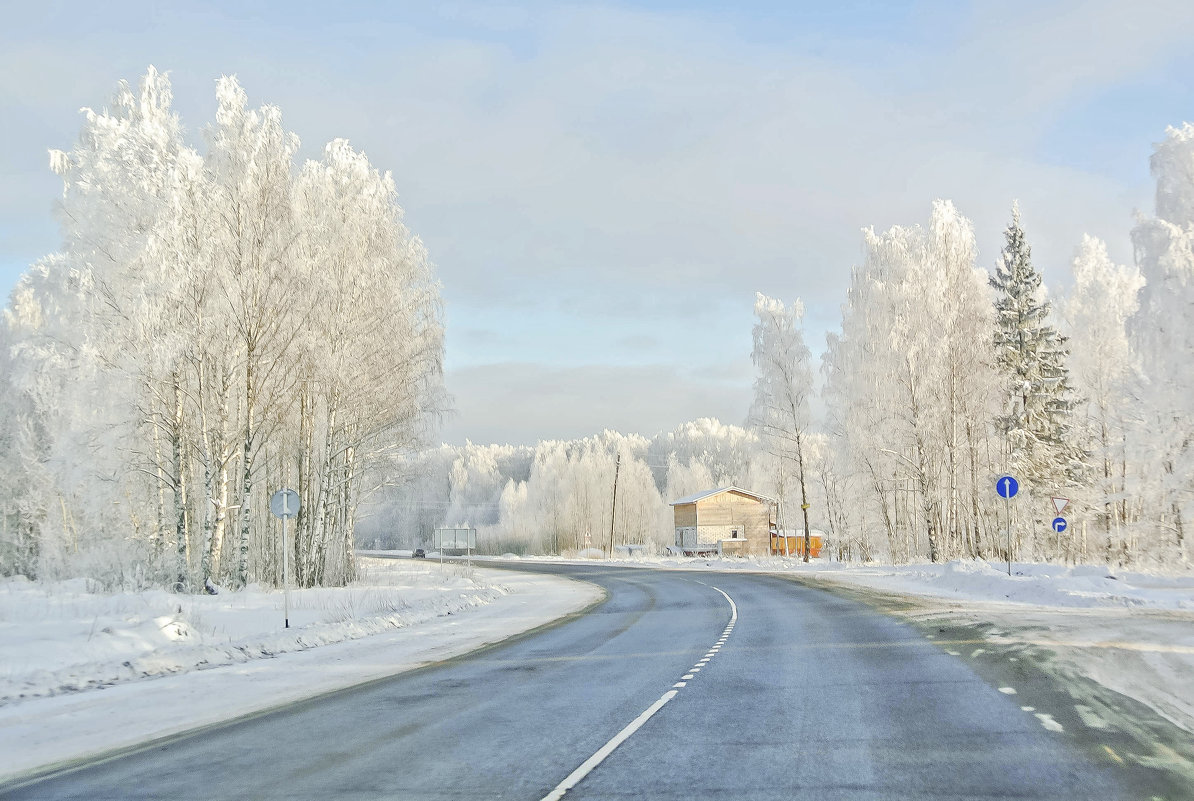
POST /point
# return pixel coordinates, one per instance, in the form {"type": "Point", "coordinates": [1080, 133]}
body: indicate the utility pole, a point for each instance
{"type": "Point", "coordinates": [804, 504]}
{"type": "Point", "coordinates": [613, 505]}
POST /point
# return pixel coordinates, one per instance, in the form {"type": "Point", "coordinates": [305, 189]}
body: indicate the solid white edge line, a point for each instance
{"type": "Point", "coordinates": [733, 606]}
{"type": "Point", "coordinates": [587, 766]}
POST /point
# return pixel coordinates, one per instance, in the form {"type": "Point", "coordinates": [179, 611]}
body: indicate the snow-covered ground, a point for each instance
{"type": "Point", "coordinates": [61, 636]}
{"type": "Point", "coordinates": [70, 659]}
{"type": "Point", "coordinates": [1131, 632]}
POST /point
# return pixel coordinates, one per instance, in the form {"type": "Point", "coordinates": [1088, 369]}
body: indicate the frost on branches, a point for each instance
{"type": "Point", "coordinates": [218, 325]}
{"type": "Point", "coordinates": [1031, 358]}
{"type": "Point", "coordinates": [1162, 333]}
{"type": "Point", "coordinates": [908, 395]}
{"type": "Point", "coordinates": [558, 496]}
{"type": "Point", "coordinates": [1103, 366]}
{"type": "Point", "coordinates": [780, 412]}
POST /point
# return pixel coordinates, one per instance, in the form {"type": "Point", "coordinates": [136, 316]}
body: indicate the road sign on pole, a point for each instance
{"type": "Point", "coordinates": [284, 504]}
{"type": "Point", "coordinates": [1007, 487]}
{"type": "Point", "coordinates": [1059, 504]}
{"type": "Point", "coordinates": [1059, 524]}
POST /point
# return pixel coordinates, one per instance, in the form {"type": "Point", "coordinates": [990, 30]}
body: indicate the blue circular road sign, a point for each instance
{"type": "Point", "coordinates": [1007, 487]}
{"type": "Point", "coordinates": [1059, 524]}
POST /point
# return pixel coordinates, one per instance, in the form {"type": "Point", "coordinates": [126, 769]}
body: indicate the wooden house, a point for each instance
{"type": "Point", "coordinates": [727, 520]}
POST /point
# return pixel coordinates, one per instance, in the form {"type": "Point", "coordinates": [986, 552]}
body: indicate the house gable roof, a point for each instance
{"type": "Point", "coordinates": [700, 496]}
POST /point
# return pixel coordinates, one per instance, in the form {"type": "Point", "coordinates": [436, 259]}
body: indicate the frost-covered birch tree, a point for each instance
{"type": "Point", "coordinates": [908, 389]}
{"type": "Point", "coordinates": [1162, 332]}
{"type": "Point", "coordinates": [217, 326]}
{"type": "Point", "coordinates": [783, 386]}
{"type": "Point", "coordinates": [1103, 365]}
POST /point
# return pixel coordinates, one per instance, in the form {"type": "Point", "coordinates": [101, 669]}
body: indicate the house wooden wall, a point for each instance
{"type": "Point", "coordinates": [686, 514]}
{"type": "Point", "coordinates": [717, 516]}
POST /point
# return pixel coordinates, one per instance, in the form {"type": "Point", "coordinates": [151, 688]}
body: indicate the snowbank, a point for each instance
{"type": "Point", "coordinates": [40, 732]}
{"type": "Point", "coordinates": [1081, 586]}
{"type": "Point", "coordinates": [61, 636]}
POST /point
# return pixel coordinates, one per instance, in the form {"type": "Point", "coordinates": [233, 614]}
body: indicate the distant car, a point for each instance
{"type": "Point", "coordinates": [419, 554]}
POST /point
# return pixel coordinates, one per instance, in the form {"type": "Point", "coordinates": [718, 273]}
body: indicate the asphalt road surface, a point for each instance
{"type": "Point", "coordinates": [679, 686]}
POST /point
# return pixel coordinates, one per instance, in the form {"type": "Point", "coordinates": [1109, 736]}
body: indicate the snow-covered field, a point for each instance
{"type": "Point", "coordinates": [210, 661]}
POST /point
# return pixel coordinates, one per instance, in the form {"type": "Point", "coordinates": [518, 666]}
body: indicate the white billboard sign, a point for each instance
{"type": "Point", "coordinates": [458, 539]}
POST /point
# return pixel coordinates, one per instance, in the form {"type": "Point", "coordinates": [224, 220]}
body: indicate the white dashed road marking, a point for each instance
{"type": "Point", "coordinates": [604, 751]}
{"type": "Point", "coordinates": [1048, 722]}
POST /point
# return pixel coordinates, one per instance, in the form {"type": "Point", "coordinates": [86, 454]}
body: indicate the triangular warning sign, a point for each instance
{"type": "Point", "coordinates": [1060, 503]}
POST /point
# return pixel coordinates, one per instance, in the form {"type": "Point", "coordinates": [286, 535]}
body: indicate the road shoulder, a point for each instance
{"type": "Point", "coordinates": [44, 735]}
{"type": "Point", "coordinates": [1102, 693]}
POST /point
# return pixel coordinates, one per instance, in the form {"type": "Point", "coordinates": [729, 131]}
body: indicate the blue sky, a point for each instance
{"type": "Point", "coordinates": [603, 187]}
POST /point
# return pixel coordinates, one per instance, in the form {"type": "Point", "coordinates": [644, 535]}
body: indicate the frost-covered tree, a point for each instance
{"type": "Point", "coordinates": [1037, 415]}
{"type": "Point", "coordinates": [908, 390]}
{"type": "Point", "coordinates": [704, 454]}
{"type": "Point", "coordinates": [1101, 361]}
{"type": "Point", "coordinates": [558, 496]}
{"type": "Point", "coordinates": [1162, 332]}
{"type": "Point", "coordinates": [783, 386]}
{"type": "Point", "coordinates": [217, 326]}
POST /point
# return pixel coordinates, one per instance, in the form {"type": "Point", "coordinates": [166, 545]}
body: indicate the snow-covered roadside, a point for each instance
{"type": "Point", "coordinates": [1130, 632]}
{"type": "Point", "coordinates": [44, 731]}
{"type": "Point", "coordinates": [61, 637]}
{"type": "Point", "coordinates": [1146, 655]}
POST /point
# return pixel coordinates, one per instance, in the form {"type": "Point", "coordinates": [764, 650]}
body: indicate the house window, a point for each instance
{"type": "Point", "coordinates": [734, 533]}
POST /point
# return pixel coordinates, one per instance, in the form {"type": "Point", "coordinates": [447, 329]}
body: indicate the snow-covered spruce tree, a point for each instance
{"type": "Point", "coordinates": [1040, 445]}
{"type": "Point", "coordinates": [783, 385]}
{"type": "Point", "coordinates": [1162, 332]}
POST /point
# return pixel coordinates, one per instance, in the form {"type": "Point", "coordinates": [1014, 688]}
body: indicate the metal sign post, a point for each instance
{"type": "Point", "coordinates": [1007, 487]}
{"type": "Point", "coordinates": [285, 504]}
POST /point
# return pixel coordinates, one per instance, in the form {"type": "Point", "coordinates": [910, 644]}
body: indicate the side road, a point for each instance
{"type": "Point", "coordinates": [41, 733]}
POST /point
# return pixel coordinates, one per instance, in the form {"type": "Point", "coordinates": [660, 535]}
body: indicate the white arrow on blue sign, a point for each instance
{"type": "Point", "coordinates": [1007, 487]}
{"type": "Point", "coordinates": [284, 503]}
{"type": "Point", "coordinates": [1059, 524]}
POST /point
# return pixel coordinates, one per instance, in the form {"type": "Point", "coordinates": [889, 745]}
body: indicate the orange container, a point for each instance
{"type": "Point", "coordinates": [796, 545]}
